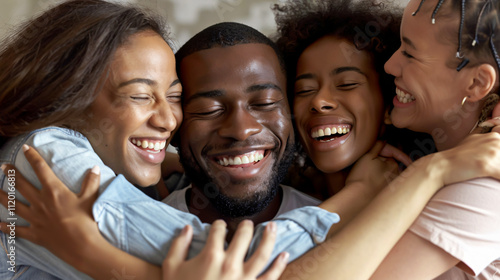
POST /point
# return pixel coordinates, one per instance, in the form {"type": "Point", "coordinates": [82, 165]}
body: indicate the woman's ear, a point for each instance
{"type": "Point", "coordinates": [482, 83]}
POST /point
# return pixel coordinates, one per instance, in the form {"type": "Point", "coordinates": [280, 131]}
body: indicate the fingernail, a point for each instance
{"type": "Point", "coordinates": [284, 257]}
{"type": "Point", "coordinates": [271, 226]}
{"type": "Point", "coordinates": [96, 170]}
{"type": "Point", "coordinates": [184, 230]}
{"type": "Point", "coordinates": [25, 148]}
{"type": "Point", "coordinates": [219, 222]}
{"type": "Point", "coordinates": [496, 118]}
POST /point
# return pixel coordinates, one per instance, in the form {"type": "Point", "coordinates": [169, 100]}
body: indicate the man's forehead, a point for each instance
{"type": "Point", "coordinates": [212, 69]}
{"type": "Point", "coordinates": [221, 56]}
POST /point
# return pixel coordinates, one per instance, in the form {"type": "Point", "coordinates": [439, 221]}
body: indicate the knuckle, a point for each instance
{"type": "Point", "coordinates": [229, 268]}
{"type": "Point", "coordinates": [260, 257]}
{"type": "Point", "coordinates": [213, 257]}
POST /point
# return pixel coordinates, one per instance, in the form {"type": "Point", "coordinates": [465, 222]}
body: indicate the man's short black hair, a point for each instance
{"type": "Point", "coordinates": [226, 34]}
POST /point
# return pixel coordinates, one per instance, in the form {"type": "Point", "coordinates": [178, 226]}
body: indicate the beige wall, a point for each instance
{"type": "Point", "coordinates": [186, 17]}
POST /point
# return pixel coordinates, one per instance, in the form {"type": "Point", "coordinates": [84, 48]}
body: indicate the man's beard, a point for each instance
{"type": "Point", "coordinates": [238, 207]}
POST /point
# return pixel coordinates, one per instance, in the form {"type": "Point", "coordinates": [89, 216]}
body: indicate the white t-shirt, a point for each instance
{"type": "Point", "coordinates": [292, 199]}
{"type": "Point", "coordinates": [464, 220]}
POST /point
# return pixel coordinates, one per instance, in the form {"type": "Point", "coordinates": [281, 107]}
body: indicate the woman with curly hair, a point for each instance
{"type": "Point", "coordinates": [444, 87]}
{"type": "Point", "coordinates": [376, 228]}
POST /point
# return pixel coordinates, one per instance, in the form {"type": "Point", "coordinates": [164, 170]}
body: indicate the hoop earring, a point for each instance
{"type": "Point", "coordinates": [463, 100]}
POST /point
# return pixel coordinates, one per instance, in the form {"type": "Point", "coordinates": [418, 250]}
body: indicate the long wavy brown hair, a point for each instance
{"type": "Point", "coordinates": [52, 67]}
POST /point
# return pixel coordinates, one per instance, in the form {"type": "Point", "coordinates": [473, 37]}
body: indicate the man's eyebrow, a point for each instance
{"type": "Point", "coordinates": [339, 70]}
{"type": "Point", "coordinates": [260, 87]}
{"type": "Point", "coordinates": [407, 41]}
{"type": "Point", "coordinates": [205, 94]}
{"type": "Point", "coordinates": [148, 82]}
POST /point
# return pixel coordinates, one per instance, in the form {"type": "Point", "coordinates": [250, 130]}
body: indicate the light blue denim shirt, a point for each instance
{"type": "Point", "coordinates": [126, 217]}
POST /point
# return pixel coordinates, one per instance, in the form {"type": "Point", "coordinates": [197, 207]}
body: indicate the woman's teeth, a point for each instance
{"type": "Point", "coordinates": [243, 159]}
{"type": "Point", "coordinates": [150, 145]}
{"type": "Point", "coordinates": [330, 131]}
{"type": "Point", "coordinates": [404, 97]}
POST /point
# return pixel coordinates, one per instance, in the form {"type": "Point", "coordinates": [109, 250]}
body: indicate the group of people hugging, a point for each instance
{"type": "Point", "coordinates": [360, 141]}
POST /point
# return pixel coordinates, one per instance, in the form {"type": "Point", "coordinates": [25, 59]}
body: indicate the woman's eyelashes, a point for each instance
{"type": "Point", "coordinates": [174, 97]}
{"type": "Point", "coordinates": [346, 86]}
{"type": "Point", "coordinates": [140, 97]}
{"type": "Point", "coordinates": [407, 55]}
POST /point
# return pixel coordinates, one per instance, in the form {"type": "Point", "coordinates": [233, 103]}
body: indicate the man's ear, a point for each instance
{"type": "Point", "coordinates": [482, 82]}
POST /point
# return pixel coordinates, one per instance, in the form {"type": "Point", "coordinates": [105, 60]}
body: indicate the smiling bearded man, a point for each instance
{"type": "Point", "coordinates": [236, 141]}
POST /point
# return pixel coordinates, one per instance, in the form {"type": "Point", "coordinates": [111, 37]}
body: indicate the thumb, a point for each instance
{"type": "Point", "coordinates": [90, 185]}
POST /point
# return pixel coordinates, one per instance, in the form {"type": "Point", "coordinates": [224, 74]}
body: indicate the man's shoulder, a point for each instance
{"type": "Point", "coordinates": [293, 199]}
{"type": "Point", "coordinates": [177, 199]}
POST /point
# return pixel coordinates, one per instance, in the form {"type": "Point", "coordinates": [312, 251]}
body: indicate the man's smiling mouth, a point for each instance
{"type": "Point", "coordinates": [236, 160]}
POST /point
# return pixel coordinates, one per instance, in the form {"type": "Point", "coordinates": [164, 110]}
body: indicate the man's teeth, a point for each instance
{"type": "Point", "coordinates": [404, 97]}
{"type": "Point", "coordinates": [330, 131]}
{"type": "Point", "coordinates": [244, 159]}
{"type": "Point", "coordinates": [150, 145]}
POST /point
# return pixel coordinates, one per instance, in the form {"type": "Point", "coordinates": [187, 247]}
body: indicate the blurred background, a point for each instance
{"type": "Point", "coordinates": [186, 17]}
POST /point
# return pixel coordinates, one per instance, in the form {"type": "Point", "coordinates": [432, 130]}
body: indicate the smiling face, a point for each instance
{"type": "Point", "coordinates": [429, 88]}
{"type": "Point", "coordinates": [237, 123]}
{"type": "Point", "coordinates": [137, 110]}
{"type": "Point", "coordinates": [338, 104]}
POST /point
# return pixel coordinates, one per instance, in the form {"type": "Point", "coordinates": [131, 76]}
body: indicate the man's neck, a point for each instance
{"type": "Point", "coordinates": [199, 205]}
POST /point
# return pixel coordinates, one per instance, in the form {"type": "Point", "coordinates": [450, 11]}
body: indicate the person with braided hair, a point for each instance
{"type": "Point", "coordinates": [446, 77]}
{"type": "Point", "coordinates": [375, 225]}
{"type": "Point", "coordinates": [446, 74]}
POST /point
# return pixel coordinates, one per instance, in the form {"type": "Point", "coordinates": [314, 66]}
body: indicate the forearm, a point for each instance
{"type": "Point", "coordinates": [347, 203]}
{"type": "Point", "coordinates": [101, 260]}
{"type": "Point", "coordinates": [366, 240]}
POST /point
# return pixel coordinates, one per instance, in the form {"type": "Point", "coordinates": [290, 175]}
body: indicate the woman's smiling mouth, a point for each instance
{"type": "Point", "coordinates": [152, 146]}
{"type": "Point", "coordinates": [329, 133]}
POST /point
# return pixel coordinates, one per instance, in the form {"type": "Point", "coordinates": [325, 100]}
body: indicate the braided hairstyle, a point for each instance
{"type": "Point", "coordinates": [477, 37]}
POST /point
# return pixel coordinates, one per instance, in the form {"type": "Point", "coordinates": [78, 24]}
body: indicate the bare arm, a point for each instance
{"type": "Point", "coordinates": [366, 240]}
{"type": "Point", "coordinates": [371, 173]}
{"type": "Point", "coordinates": [62, 222]}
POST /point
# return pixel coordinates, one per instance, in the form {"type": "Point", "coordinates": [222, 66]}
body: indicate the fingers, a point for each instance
{"type": "Point", "coordinates": [277, 268]}
{"type": "Point", "coordinates": [90, 185]}
{"type": "Point", "coordinates": [376, 149]}
{"type": "Point", "coordinates": [179, 249]}
{"type": "Point", "coordinates": [44, 173]}
{"type": "Point", "coordinates": [392, 152]}
{"type": "Point", "coordinates": [240, 242]}
{"type": "Point", "coordinates": [216, 236]}
{"type": "Point", "coordinates": [15, 207]}
{"type": "Point", "coordinates": [20, 184]}
{"type": "Point", "coordinates": [11, 229]}
{"type": "Point", "coordinates": [496, 111]}
{"type": "Point", "coordinates": [261, 256]}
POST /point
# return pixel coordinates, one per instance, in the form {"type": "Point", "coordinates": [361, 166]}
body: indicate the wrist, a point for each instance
{"type": "Point", "coordinates": [433, 168]}
{"type": "Point", "coordinates": [88, 254]}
